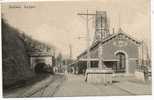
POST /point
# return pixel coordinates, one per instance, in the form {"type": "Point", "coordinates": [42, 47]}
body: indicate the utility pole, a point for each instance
{"type": "Point", "coordinates": [88, 37]}
{"type": "Point", "coordinates": [70, 49]}
{"type": "Point", "coordinates": [148, 57]}
{"type": "Point", "coordinates": [142, 63]}
{"type": "Point", "coordinates": [99, 30]}
{"type": "Point", "coordinates": [119, 21]}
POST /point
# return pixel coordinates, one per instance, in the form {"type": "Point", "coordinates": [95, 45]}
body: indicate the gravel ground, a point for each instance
{"type": "Point", "coordinates": [69, 85]}
{"type": "Point", "coordinates": [76, 86]}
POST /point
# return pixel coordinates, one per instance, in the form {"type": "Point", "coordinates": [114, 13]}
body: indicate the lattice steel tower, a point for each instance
{"type": "Point", "coordinates": [101, 26]}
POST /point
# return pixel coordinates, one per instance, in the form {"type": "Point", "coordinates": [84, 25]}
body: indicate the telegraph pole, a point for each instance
{"type": "Point", "coordinates": [142, 63]}
{"type": "Point", "coordinates": [88, 42]}
{"type": "Point", "coordinates": [87, 14]}
{"type": "Point", "coordinates": [88, 37]}
{"type": "Point", "coordinates": [70, 48]}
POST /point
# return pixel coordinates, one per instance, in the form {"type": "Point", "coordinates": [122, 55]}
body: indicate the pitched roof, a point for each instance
{"type": "Point", "coordinates": [110, 37]}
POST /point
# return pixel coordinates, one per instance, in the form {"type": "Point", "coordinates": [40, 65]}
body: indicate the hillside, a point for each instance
{"type": "Point", "coordinates": [15, 61]}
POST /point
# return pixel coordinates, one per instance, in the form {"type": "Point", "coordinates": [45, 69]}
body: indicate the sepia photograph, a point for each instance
{"type": "Point", "coordinates": [76, 48]}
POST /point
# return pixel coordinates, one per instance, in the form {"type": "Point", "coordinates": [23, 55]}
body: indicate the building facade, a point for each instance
{"type": "Point", "coordinates": [117, 51]}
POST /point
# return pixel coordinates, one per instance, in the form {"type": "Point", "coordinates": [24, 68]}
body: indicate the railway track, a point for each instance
{"type": "Point", "coordinates": [54, 87]}
{"type": "Point", "coordinates": [40, 92]}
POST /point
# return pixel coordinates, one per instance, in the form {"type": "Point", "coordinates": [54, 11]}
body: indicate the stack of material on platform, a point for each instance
{"type": "Point", "coordinates": [99, 75]}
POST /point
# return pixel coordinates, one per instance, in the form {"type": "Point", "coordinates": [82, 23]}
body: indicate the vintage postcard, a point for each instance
{"type": "Point", "coordinates": [76, 48]}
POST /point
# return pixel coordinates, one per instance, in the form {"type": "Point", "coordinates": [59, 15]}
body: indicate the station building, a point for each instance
{"type": "Point", "coordinates": [118, 51]}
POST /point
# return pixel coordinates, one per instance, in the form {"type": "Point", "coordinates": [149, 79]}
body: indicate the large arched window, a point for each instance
{"type": "Point", "coordinates": [121, 64]}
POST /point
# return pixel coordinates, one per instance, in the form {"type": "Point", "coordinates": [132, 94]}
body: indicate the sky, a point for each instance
{"type": "Point", "coordinates": [57, 23]}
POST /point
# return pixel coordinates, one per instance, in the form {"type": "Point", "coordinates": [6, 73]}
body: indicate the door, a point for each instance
{"type": "Point", "coordinates": [121, 64]}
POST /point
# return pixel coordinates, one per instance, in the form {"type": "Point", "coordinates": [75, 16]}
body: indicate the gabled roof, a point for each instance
{"type": "Point", "coordinates": [128, 36]}
{"type": "Point", "coordinates": [110, 37]}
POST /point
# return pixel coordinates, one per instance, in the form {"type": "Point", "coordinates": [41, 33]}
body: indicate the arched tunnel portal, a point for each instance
{"type": "Point", "coordinates": [40, 68]}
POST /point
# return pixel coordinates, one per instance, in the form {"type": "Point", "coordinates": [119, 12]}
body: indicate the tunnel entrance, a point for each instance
{"type": "Point", "coordinates": [40, 68]}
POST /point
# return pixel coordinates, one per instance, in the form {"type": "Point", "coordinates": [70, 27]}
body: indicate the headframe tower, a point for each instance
{"type": "Point", "coordinates": [101, 26]}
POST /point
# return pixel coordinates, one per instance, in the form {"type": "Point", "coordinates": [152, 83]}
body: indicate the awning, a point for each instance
{"type": "Point", "coordinates": [96, 59]}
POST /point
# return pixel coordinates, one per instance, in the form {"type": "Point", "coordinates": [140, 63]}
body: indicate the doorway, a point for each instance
{"type": "Point", "coordinates": [121, 64]}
